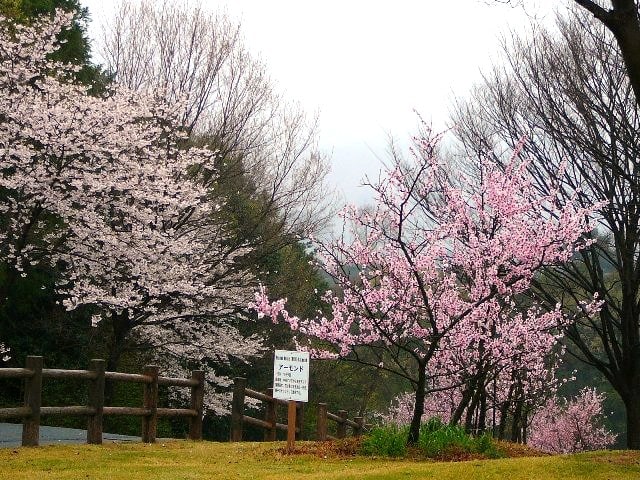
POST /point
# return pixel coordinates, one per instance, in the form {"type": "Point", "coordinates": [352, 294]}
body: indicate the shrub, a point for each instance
{"type": "Point", "coordinates": [388, 441]}
{"type": "Point", "coordinates": [485, 445]}
{"type": "Point", "coordinates": [436, 439]}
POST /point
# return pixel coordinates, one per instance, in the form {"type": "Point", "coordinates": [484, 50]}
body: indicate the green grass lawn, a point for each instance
{"type": "Point", "coordinates": [181, 460]}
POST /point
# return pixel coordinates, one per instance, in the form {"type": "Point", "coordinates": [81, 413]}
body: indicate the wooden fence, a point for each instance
{"type": "Point", "coordinates": [342, 420]}
{"type": "Point", "coordinates": [32, 410]}
{"type": "Point", "coordinates": [270, 423]}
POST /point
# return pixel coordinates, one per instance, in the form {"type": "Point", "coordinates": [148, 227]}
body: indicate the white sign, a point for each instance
{"type": "Point", "coordinates": [291, 375]}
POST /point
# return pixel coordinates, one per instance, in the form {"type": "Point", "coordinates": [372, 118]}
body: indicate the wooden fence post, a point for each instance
{"type": "Point", "coordinates": [358, 430]}
{"type": "Point", "coordinates": [237, 408]}
{"type": "Point", "coordinates": [197, 404]}
{"type": "Point", "coordinates": [33, 401]}
{"type": "Point", "coordinates": [270, 416]}
{"type": "Point", "coordinates": [299, 420]}
{"type": "Point", "coordinates": [150, 401]}
{"type": "Point", "coordinates": [342, 424]}
{"type": "Point", "coordinates": [96, 400]}
{"type": "Point", "coordinates": [322, 422]}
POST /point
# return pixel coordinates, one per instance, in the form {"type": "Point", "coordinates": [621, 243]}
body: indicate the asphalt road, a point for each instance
{"type": "Point", "coordinates": [11, 436]}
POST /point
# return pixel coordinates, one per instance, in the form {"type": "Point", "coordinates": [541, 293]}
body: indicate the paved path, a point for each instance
{"type": "Point", "coordinates": [11, 436]}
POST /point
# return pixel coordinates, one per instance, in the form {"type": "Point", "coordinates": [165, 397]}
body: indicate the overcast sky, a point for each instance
{"type": "Point", "coordinates": [365, 66]}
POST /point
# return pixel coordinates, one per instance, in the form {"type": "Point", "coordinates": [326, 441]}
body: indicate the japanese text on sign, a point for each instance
{"type": "Point", "coordinates": [291, 375]}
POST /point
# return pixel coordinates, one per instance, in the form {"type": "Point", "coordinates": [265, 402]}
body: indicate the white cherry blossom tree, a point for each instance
{"type": "Point", "coordinates": [99, 188]}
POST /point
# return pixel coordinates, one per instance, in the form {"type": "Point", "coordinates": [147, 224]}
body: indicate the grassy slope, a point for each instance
{"type": "Point", "coordinates": [185, 460]}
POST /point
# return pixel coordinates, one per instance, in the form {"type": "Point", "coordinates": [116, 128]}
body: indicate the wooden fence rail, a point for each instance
{"type": "Point", "coordinates": [32, 409]}
{"type": "Point", "coordinates": [270, 423]}
{"type": "Point", "coordinates": [342, 420]}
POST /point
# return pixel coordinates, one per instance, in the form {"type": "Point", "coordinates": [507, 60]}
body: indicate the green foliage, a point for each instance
{"type": "Point", "coordinates": [386, 441]}
{"type": "Point", "coordinates": [10, 8]}
{"type": "Point", "coordinates": [486, 445]}
{"type": "Point", "coordinates": [354, 387]}
{"type": "Point", "coordinates": [75, 47]}
{"type": "Point", "coordinates": [436, 440]}
{"type": "Point", "coordinates": [437, 437]}
{"type": "Point", "coordinates": [32, 322]}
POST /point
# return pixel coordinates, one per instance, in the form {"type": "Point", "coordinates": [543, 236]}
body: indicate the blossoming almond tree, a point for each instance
{"type": "Point", "coordinates": [427, 260]}
{"type": "Point", "coordinates": [98, 187]}
{"type": "Point", "coordinates": [557, 426]}
{"type": "Point", "coordinates": [569, 426]}
{"type": "Point", "coordinates": [506, 369]}
{"type": "Point", "coordinates": [495, 379]}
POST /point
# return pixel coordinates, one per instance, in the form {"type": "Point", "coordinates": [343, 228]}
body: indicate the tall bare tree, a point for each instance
{"type": "Point", "coordinates": [569, 93]}
{"type": "Point", "coordinates": [622, 19]}
{"type": "Point", "coordinates": [197, 56]}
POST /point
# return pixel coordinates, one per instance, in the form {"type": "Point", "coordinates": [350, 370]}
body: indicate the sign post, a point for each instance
{"type": "Point", "coordinates": [291, 425]}
{"type": "Point", "coordinates": [291, 382]}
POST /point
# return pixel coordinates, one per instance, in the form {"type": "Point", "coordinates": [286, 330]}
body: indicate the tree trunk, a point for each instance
{"type": "Point", "coordinates": [418, 409]}
{"type": "Point", "coordinates": [626, 28]}
{"type": "Point", "coordinates": [121, 326]}
{"type": "Point", "coordinates": [517, 422]}
{"type": "Point", "coordinates": [622, 20]}
{"type": "Point", "coordinates": [632, 407]}
{"type": "Point", "coordinates": [464, 402]}
{"type": "Point", "coordinates": [473, 407]}
{"type": "Point", "coordinates": [481, 427]}
{"type": "Point", "coordinates": [504, 412]}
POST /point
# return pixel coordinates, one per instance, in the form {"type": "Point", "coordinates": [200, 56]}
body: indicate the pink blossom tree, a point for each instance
{"type": "Point", "coordinates": [556, 425]}
{"type": "Point", "coordinates": [497, 382]}
{"type": "Point", "coordinates": [436, 261]}
{"type": "Point", "coordinates": [99, 188]}
{"type": "Point", "coordinates": [507, 369]}
{"type": "Point", "coordinates": [569, 426]}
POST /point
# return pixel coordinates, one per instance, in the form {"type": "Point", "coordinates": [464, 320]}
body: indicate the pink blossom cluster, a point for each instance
{"type": "Point", "coordinates": [516, 347]}
{"type": "Point", "coordinates": [440, 404]}
{"type": "Point", "coordinates": [433, 254]}
{"type": "Point", "coordinates": [522, 351]}
{"type": "Point", "coordinates": [568, 426]}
